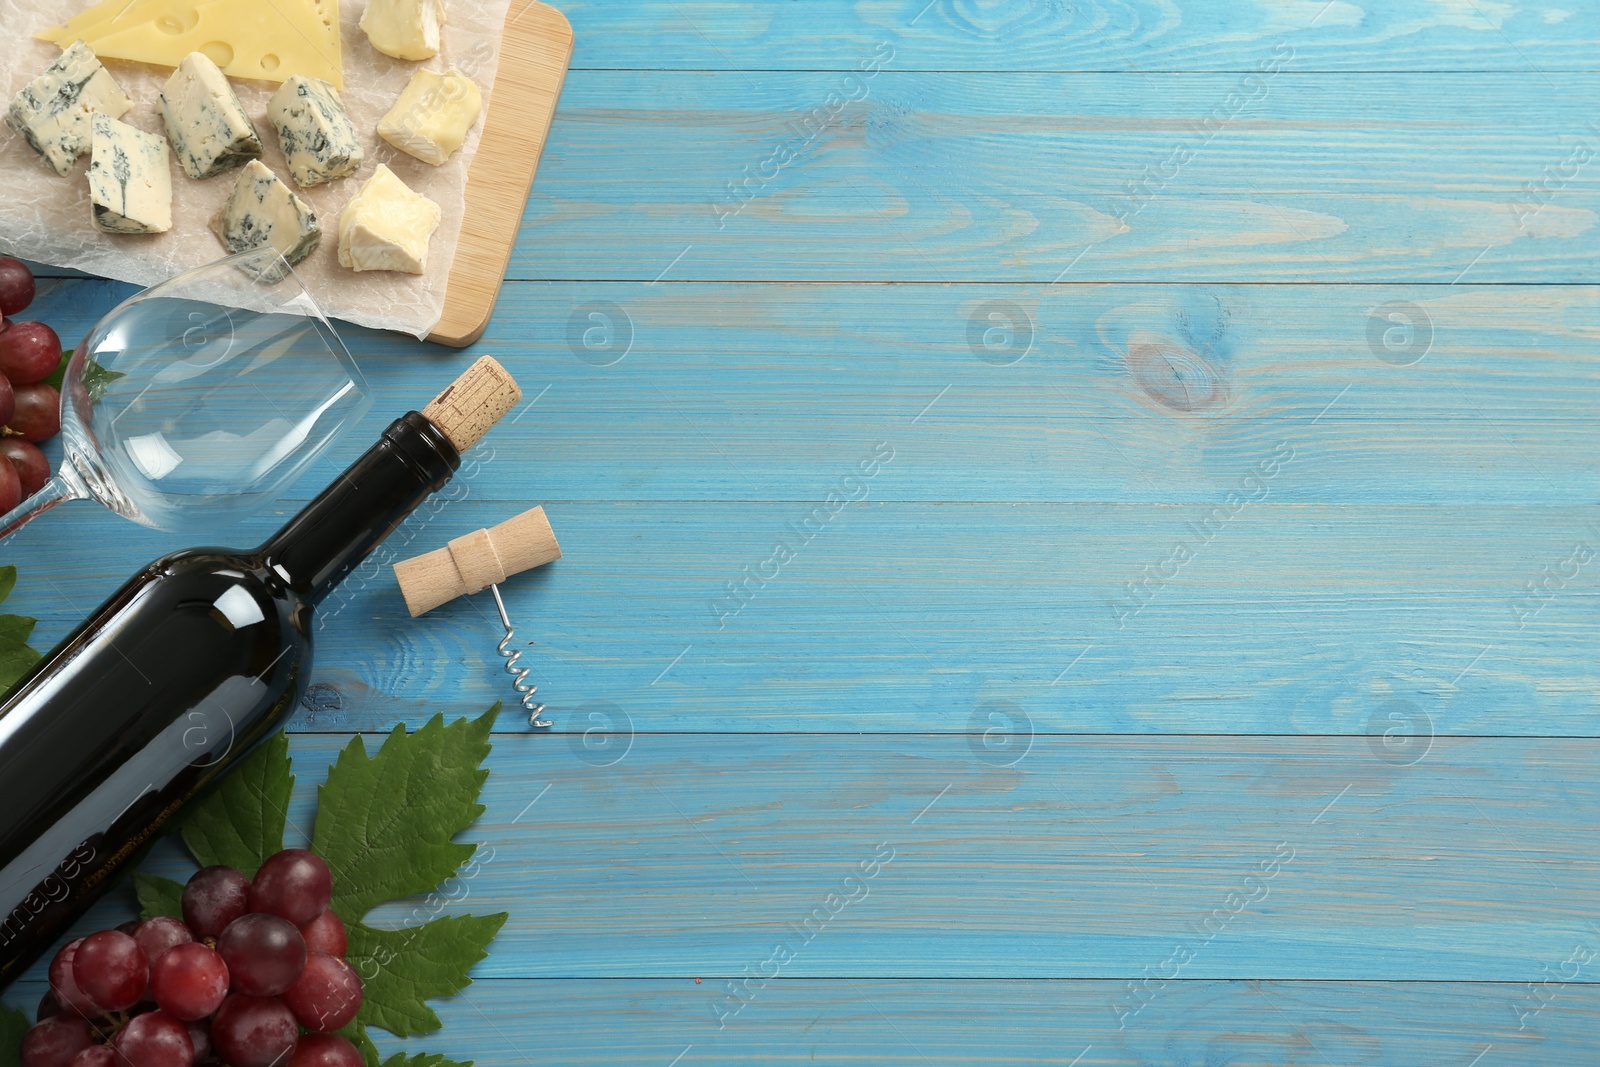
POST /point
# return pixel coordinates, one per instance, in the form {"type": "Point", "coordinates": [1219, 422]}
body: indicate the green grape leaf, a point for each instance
{"type": "Point", "coordinates": [16, 658]}
{"type": "Point", "coordinates": [240, 823]}
{"type": "Point", "coordinates": [423, 1059]}
{"type": "Point", "coordinates": [57, 376]}
{"type": "Point", "coordinates": [95, 377]}
{"type": "Point", "coordinates": [157, 895]}
{"type": "Point", "coordinates": [385, 822]}
{"type": "Point", "coordinates": [400, 969]}
{"type": "Point", "coordinates": [13, 1024]}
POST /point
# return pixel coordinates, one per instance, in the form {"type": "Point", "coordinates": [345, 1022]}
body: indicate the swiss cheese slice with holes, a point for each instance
{"type": "Point", "coordinates": [103, 17]}
{"type": "Point", "coordinates": [270, 41]}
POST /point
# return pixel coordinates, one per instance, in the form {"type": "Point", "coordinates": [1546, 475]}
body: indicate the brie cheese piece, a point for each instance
{"type": "Point", "coordinates": [387, 226]}
{"type": "Point", "coordinates": [130, 181]}
{"type": "Point", "coordinates": [52, 112]}
{"type": "Point", "coordinates": [209, 129]}
{"type": "Point", "coordinates": [405, 29]}
{"type": "Point", "coordinates": [431, 118]}
{"type": "Point", "coordinates": [264, 211]}
{"type": "Point", "coordinates": [316, 136]}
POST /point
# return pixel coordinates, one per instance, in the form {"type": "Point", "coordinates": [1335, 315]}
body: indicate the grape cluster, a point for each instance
{"type": "Point", "coordinates": [253, 975]}
{"type": "Point", "coordinates": [30, 407]}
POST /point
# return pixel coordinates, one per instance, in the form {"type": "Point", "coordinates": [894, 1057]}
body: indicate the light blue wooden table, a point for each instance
{"type": "Point", "coordinates": [1178, 423]}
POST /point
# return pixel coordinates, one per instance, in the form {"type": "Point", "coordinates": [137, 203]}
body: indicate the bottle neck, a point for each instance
{"type": "Point", "coordinates": [350, 518]}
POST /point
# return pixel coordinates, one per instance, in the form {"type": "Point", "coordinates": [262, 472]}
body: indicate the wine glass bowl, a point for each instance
{"type": "Point", "coordinates": [204, 396]}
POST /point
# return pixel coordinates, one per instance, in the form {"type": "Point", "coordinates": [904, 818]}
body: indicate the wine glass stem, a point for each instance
{"type": "Point", "coordinates": [53, 492]}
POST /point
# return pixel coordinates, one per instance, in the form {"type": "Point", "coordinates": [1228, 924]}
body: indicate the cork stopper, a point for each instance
{"type": "Point", "coordinates": [473, 403]}
{"type": "Point", "coordinates": [477, 560]}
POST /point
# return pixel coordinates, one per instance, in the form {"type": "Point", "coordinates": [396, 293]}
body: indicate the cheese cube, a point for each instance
{"type": "Point", "coordinates": [313, 130]}
{"type": "Point", "coordinates": [405, 29]}
{"type": "Point", "coordinates": [431, 118]}
{"type": "Point", "coordinates": [52, 112]}
{"type": "Point", "coordinates": [263, 211]}
{"type": "Point", "coordinates": [209, 129]}
{"type": "Point", "coordinates": [130, 181]}
{"type": "Point", "coordinates": [387, 226]}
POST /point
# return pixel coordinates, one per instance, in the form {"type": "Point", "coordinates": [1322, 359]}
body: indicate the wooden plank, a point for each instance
{"type": "Point", "coordinates": [1289, 176]}
{"type": "Point", "coordinates": [1140, 35]}
{"type": "Point", "coordinates": [924, 617]}
{"type": "Point", "coordinates": [535, 48]}
{"type": "Point", "coordinates": [1269, 858]}
{"type": "Point", "coordinates": [1153, 394]}
{"type": "Point", "coordinates": [873, 1023]}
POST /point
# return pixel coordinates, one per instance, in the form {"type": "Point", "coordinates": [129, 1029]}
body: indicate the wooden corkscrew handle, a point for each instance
{"type": "Point", "coordinates": [477, 560]}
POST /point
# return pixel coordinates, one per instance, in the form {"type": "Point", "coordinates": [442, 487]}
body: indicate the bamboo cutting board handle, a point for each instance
{"type": "Point", "coordinates": [535, 51]}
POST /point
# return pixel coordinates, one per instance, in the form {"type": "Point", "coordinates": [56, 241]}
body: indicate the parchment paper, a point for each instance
{"type": "Point", "coordinates": [45, 217]}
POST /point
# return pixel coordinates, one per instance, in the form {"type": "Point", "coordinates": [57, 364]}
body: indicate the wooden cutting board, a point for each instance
{"type": "Point", "coordinates": [534, 54]}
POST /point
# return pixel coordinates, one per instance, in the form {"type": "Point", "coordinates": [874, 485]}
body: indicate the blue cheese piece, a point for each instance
{"type": "Point", "coordinates": [314, 132]}
{"type": "Point", "coordinates": [208, 126]}
{"type": "Point", "coordinates": [386, 226]}
{"type": "Point", "coordinates": [431, 118]}
{"type": "Point", "coordinates": [130, 180]}
{"type": "Point", "coordinates": [52, 112]}
{"type": "Point", "coordinates": [263, 211]}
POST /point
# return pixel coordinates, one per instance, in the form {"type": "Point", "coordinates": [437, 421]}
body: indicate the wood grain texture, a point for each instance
{"type": "Point", "coordinates": [673, 856]}
{"type": "Point", "coordinates": [905, 176]}
{"type": "Point", "coordinates": [1388, 560]}
{"type": "Point", "coordinates": [1085, 35]}
{"type": "Point", "coordinates": [1362, 231]}
{"type": "Point", "coordinates": [535, 48]}
{"type": "Point", "coordinates": [867, 1022]}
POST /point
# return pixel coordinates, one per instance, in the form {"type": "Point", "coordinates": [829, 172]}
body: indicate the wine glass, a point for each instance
{"type": "Point", "coordinates": [201, 398]}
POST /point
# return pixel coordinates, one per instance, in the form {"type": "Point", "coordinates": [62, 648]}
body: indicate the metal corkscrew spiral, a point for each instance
{"type": "Point", "coordinates": [519, 674]}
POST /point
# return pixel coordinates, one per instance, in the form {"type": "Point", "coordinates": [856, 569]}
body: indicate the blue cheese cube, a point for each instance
{"type": "Point", "coordinates": [209, 129]}
{"type": "Point", "coordinates": [314, 132]}
{"type": "Point", "coordinates": [52, 112]}
{"type": "Point", "coordinates": [130, 180]}
{"type": "Point", "coordinates": [264, 211]}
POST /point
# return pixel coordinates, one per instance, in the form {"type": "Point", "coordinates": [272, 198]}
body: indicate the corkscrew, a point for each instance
{"type": "Point", "coordinates": [482, 560]}
{"type": "Point", "coordinates": [519, 675]}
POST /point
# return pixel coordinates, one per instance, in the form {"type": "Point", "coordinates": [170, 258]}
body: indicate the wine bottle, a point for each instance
{"type": "Point", "coordinates": [195, 660]}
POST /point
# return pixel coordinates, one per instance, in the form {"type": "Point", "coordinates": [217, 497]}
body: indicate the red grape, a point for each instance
{"type": "Point", "coordinates": [326, 995]}
{"type": "Point", "coordinates": [111, 970]}
{"type": "Point", "coordinates": [29, 351]}
{"type": "Point", "coordinates": [154, 1039]}
{"type": "Point", "coordinates": [16, 285]}
{"type": "Point", "coordinates": [95, 1056]}
{"type": "Point", "coordinates": [49, 1007]}
{"type": "Point", "coordinates": [54, 1042]}
{"type": "Point", "coordinates": [33, 470]}
{"type": "Point", "coordinates": [325, 1050]}
{"type": "Point", "coordinates": [214, 897]}
{"type": "Point", "coordinates": [8, 400]}
{"type": "Point", "coordinates": [189, 981]}
{"type": "Point", "coordinates": [200, 1036]}
{"type": "Point", "coordinates": [293, 884]}
{"type": "Point", "coordinates": [38, 414]}
{"type": "Point", "coordinates": [264, 954]}
{"type": "Point", "coordinates": [65, 986]}
{"type": "Point", "coordinates": [254, 1031]}
{"type": "Point", "coordinates": [10, 487]}
{"type": "Point", "coordinates": [156, 935]}
{"type": "Point", "coordinates": [326, 933]}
